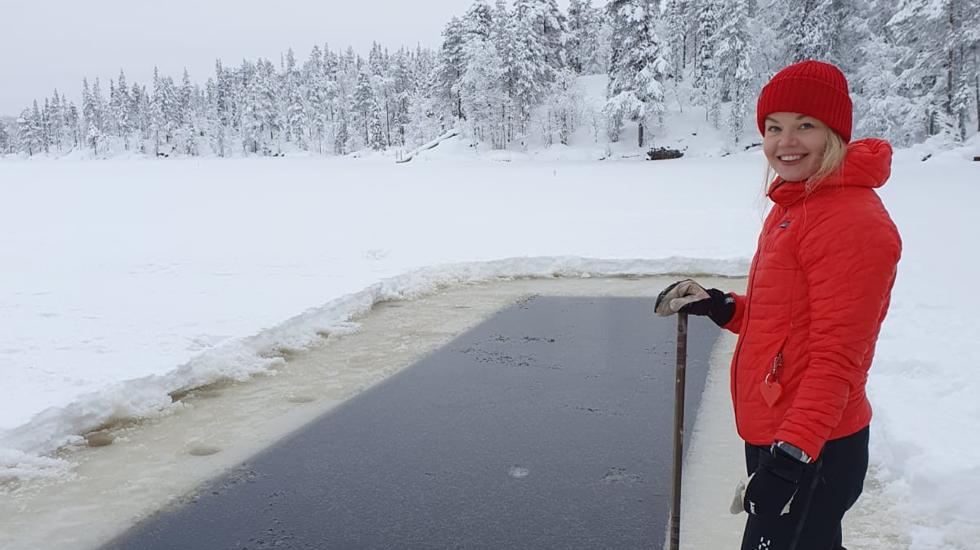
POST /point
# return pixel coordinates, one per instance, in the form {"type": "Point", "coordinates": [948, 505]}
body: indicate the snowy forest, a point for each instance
{"type": "Point", "coordinates": [505, 75]}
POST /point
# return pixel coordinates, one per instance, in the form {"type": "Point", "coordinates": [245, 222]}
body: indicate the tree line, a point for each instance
{"type": "Point", "coordinates": [506, 77]}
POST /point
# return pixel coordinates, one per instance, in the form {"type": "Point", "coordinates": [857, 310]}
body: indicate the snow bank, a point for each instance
{"type": "Point", "coordinates": [242, 358]}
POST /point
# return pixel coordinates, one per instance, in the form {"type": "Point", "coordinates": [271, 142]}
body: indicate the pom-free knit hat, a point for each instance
{"type": "Point", "coordinates": [812, 88]}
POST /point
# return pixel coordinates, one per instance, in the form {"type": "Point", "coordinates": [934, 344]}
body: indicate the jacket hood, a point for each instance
{"type": "Point", "coordinates": [868, 163]}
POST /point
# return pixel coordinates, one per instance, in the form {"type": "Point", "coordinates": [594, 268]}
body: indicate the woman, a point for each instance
{"type": "Point", "coordinates": [818, 291]}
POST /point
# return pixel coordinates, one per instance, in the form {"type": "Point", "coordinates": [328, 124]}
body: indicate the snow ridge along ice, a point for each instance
{"type": "Point", "coordinates": [22, 448]}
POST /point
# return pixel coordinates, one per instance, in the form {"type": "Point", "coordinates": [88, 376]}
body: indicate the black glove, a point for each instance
{"type": "Point", "coordinates": [774, 483]}
{"type": "Point", "coordinates": [689, 297]}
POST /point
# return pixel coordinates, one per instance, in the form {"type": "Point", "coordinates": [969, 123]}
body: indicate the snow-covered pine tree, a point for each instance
{"type": "Point", "coordinates": [56, 122]}
{"type": "Point", "coordinates": [69, 123]}
{"type": "Point", "coordinates": [422, 122]}
{"type": "Point", "coordinates": [276, 81]}
{"type": "Point", "coordinates": [350, 62]}
{"type": "Point", "coordinates": [604, 55]}
{"type": "Point", "coordinates": [293, 101]}
{"type": "Point", "coordinates": [377, 139]}
{"type": "Point", "coordinates": [218, 95]}
{"type": "Point", "coordinates": [185, 125]}
{"type": "Point", "coordinates": [119, 106]}
{"type": "Point", "coordinates": [328, 89]}
{"type": "Point", "coordinates": [72, 123]}
{"type": "Point", "coordinates": [231, 104]}
{"type": "Point", "coordinates": [331, 90]}
{"type": "Point", "coordinates": [92, 108]}
{"type": "Point", "coordinates": [315, 101]}
{"type": "Point", "coordinates": [484, 98]}
{"type": "Point", "coordinates": [576, 24]}
{"type": "Point", "coordinates": [450, 68]}
{"type": "Point", "coordinates": [852, 29]}
{"type": "Point", "coordinates": [66, 135]}
{"type": "Point", "coordinates": [362, 102]}
{"type": "Point", "coordinates": [706, 72]}
{"type": "Point", "coordinates": [638, 68]}
{"type": "Point", "coordinates": [157, 116]}
{"type": "Point", "coordinates": [869, 58]}
{"type": "Point", "coordinates": [241, 78]}
{"type": "Point", "coordinates": [100, 110]}
{"type": "Point", "coordinates": [212, 122]}
{"type": "Point", "coordinates": [880, 110]}
{"type": "Point", "coordinates": [346, 137]}
{"type": "Point", "coordinates": [34, 138]}
{"type": "Point", "coordinates": [551, 27]}
{"type": "Point", "coordinates": [733, 55]}
{"type": "Point", "coordinates": [258, 112]}
{"type": "Point", "coordinates": [400, 80]}
{"type": "Point", "coordinates": [331, 63]}
{"type": "Point", "coordinates": [478, 20]}
{"type": "Point", "coordinates": [676, 13]}
{"type": "Point", "coordinates": [342, 135]}
{"type": "Point", "coordinates": [857, 22]}
{"type": "Point", "coordinates": [483, 84]}
{"type": "Point", "coordinates": [37, 121]}
{"type": "Point", "coordinates": [170, 108]}
{"type": "Point", "coordinates": [86, 107]}
{"type": "Point", "coordinates": [940, 71]}
{"type": "Point", "coordinates": [815, 24]}
{"type": "Point", "coordinates": [976, 83]}
{"type": "Point", "coordinates": [379, 67]}
{"type": "Point", "coordinates": [46, 138]}
{"type": "Point", "coordinates": [964, 21]}
{"type": "Point", "coordinates": [367, 113]}
{"type": "Point", "coordinates": [504, 41]}
{"type": "Point", "coordinates": [140, 109]}
{"type": "Point", "coordinates": [111, 117]}
{"type": "Point", "coordinates": [584, 22]}
{"type": "Point", "coordinates": [5, 141]}
{"type": "Point", "coordinates": [563, 108]}
{"type": "Point", "coordinates": [267, 97]}
{"type": "Point", "coordinates": [27, 132]}
{"type": "Point", "coordinates": [530, 75]}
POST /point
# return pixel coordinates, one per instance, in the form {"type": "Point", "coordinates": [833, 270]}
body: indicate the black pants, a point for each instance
{"type": "Point", "coordinates": [828, 490]}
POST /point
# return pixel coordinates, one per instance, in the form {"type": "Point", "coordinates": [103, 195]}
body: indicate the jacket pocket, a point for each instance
{"type": "Point", "coordinates": [771, 386]}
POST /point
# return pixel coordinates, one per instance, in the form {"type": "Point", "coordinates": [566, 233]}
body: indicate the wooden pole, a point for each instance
{"type": "Point", "coordinates": [679, 382]}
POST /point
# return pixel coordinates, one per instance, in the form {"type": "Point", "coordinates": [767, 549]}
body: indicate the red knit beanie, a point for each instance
{"type": "Point", "coordinates": [812, 88]}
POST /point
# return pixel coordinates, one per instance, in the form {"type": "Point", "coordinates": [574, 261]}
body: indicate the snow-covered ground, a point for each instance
{"type": "Point", "coordinates": [126, 280]}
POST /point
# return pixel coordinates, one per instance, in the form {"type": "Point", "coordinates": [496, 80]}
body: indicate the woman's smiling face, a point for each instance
{"type": "Point", "coordinates": [794, 144]}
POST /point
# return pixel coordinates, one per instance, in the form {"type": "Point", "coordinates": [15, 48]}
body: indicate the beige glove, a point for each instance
{"type": "Point", "coordinates": [738, 503]}
{"type": "Point", "coordinates": [678, 295]}
{"type": "Point", "coordinates": [738, 506]}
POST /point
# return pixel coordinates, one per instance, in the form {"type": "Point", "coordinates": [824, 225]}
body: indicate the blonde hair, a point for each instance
{"type": "Point", "coordinates": [834, 152]}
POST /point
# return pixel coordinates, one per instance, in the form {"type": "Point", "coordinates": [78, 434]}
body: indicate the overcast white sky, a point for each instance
{"type": "Point", "coordinates": [48, 44]}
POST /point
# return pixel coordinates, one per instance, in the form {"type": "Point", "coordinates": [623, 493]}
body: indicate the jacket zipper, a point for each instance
{"type": "Point", "coordinates": [741, 335]}
{"type": "Point", "coordinates": [777, 362]}
{"type": "Point", "coordinates": [738, 347]}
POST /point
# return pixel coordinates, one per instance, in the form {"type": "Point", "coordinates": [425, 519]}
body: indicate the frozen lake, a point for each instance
{"type": "Point", "coordinates": [128, 282]}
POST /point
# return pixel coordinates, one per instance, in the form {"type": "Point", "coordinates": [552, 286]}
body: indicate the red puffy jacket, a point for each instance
{"type": "Point", "coordinates": [818, 291]}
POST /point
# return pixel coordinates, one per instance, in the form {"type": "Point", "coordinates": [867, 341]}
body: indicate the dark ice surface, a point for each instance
{"type": "Point", "coordinates": [549, 425]}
